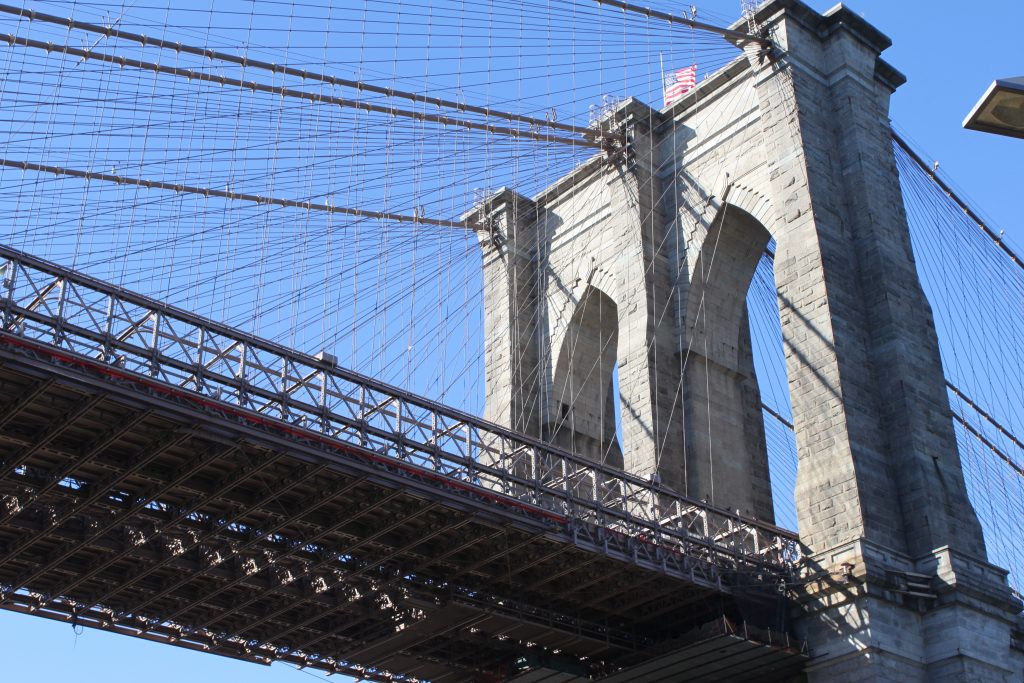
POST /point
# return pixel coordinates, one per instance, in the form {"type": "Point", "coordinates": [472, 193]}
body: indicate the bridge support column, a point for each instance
{"type": "Point", "coordinates": [644, 274]}
{"type": "Point", "coordinates": [904, 590]}
{"type": "Point", "coordinates": [512, 290]}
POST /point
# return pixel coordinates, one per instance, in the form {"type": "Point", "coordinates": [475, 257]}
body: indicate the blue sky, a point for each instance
{"type": "Point", "coordinates": [949, 52]}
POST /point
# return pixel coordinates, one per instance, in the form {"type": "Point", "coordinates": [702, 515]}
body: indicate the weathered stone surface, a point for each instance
{"type": "Point", "coordinates": [643, 259]}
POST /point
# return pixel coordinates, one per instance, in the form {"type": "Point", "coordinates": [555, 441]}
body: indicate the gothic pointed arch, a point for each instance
{"type": "Point", "coordinates": [583, 395]}
{"type": "Point", "coordinates": [727, 459]}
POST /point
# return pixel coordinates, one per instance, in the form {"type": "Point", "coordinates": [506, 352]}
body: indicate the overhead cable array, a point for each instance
{"type": "Point", "coordinates": [974, 281]}
{"type": "Point", "coordinates": [249, 163]}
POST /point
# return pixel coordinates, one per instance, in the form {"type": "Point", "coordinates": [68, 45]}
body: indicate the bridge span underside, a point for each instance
{"type": "Point", "coordinates": [143, 518]}
{"type": "Point", "coordinates": [138, 513]}
{"type": "Point", "coordinates": [167, 477]}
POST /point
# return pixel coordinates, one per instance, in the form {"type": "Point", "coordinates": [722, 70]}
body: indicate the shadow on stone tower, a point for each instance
{"type": "Point", "coordinates": [638, 263]}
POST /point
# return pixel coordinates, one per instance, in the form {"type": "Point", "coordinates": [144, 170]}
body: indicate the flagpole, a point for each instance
{"type": "Point", "coordinates": [661, 63]}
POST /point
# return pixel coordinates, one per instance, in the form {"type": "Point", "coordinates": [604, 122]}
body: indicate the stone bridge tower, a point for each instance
{"type": "Point", "coordinates": [639, 261]}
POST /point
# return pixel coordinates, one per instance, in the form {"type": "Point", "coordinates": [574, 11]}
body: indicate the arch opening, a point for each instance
{"type": "Point", "coordinates": [769, 357]}
{"type": "Point", "coordinates": [727, 455]}
{"type": "Point", "coordinates": [585, 396]}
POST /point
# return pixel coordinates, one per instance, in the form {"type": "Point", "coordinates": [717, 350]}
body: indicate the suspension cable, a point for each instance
{"type": "Point", "coordinates": [227, 194]}
{"type": "Point", "coordinates": [957, 200]}
{"type": "Point", "coordinates": [981, 411]}
{"type": "Point", "coordinates": [192, 74]}
{"type": "Point", "coordinates": [245, 61]}
{"type": "Point", "coordinates": [699, 25]}
{"type": "Point", "coordinates": [991, 446]}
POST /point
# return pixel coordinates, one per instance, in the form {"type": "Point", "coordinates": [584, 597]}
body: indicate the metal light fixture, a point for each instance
{"type": "Point", "coordinates": [1000, 110]}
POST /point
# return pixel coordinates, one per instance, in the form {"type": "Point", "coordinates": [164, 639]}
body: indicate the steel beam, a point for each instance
{"type": "Point", "coordinates": [229, 482]}
{"type": "Point", "coordinates": [157, 449]}
{"type": "Point", "coordinates": [358, 510]}
{"type": "Point", "coordinates": [333, 494]}
{"type": "Point", "coordinates": [65, 422]}
{"type": "Point", "coordinates": [384, 529]}
{"type": "Point", "coordinates": [186, 472]}
{"type": "Point", "coordinates": [12, 410]}
{"type": "Point", "coordinates": [379, 562]}
{"type": "Point", "coordinates": [97, 446]}
{"type": "Point", "coordinates": [310, 472]}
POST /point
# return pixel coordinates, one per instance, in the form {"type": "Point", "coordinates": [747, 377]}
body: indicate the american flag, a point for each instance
{"type": "Point", "coordinates": [678, 83]}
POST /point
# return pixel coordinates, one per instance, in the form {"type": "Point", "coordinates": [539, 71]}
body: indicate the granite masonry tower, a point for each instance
{"type": "Point", "coordinates": [638, 263]}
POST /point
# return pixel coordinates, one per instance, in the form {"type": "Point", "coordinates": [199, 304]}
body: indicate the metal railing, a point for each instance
{"type": "Point", "coordinates": [600, 506]}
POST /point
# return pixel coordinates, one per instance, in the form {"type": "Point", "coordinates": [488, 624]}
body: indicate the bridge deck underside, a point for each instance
{"type": "Point", "coordinates": [124, 511]}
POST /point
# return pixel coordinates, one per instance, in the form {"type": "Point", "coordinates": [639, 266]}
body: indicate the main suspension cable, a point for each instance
{"type": "Point", "coordinates": [192, 74]}
{"type": "Point", "coordinates": [957, 200]}
{"type": "Point", "coordinates": [699, 25]}
{"type": "Point", "coordinates": [245, 61]}
{"type": "Point", "coordinates": [227, 194]}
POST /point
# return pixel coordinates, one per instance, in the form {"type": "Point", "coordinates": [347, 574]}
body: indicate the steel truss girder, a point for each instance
{"type": "Point", "coordinates": [487, 559]}
{"type": "Point", "coordinates": [458, 522]}
{"type": "Point", "coordinates": [330, 556]}
{"type": "Point", "coordinates": [91, 451]}
{"type": "Point", "coordinates": [298, 422]}
{"type": "Point", "coordinates": [122, 517]}
{"type": "Point", "coordinates": [173, 586]}
{"type": "Point", "coordinates": [181, 563]}
{"type": "Point", "coordinates": [63, 423]}
{"type": "Point", "coordinates": [69, 612]}
{"type": "Point", "coordinates": [293, 595]}
{"type": "Point", "coordinates": [139, 335]}
{"type": "Point", "coordinates": [227, 484]}
{"type": "Point", "coordinates": [332, 494]}
{"type": "Point", "coordinates": [12, 410]}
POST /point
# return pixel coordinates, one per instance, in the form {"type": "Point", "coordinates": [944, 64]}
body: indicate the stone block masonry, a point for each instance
{"type": "Point", "coordinates": [639, 263]}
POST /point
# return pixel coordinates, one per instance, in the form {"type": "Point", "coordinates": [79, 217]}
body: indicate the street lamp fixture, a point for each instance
{"type": "Point", "coordinates": [1000, 110]}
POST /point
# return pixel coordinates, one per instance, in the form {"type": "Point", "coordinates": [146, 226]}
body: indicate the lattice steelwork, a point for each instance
{"type": "Point", "coordinates": [167, 476]}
